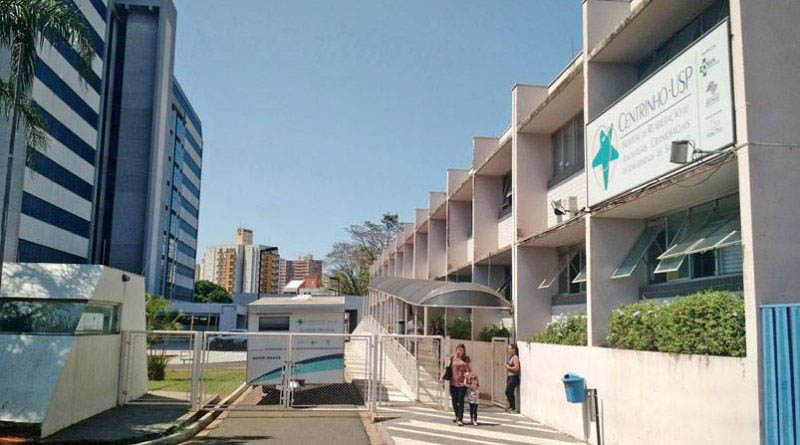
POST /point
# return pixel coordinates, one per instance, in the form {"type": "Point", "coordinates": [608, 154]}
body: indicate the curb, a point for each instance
{"type": "Point", "coordinates": [384, 433]}
{"type": "Point", "coordinates": [197, 426]}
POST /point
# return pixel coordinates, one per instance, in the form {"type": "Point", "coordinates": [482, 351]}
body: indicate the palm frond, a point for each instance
{"type": "Point", "coordinates": [35, 126]}
{"type": "Point", "coordinates": [60, 20]}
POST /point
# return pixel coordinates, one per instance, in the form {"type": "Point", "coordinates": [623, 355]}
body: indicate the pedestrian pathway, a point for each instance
{"type": "Point", "coordinates": [424, 425]}
{"type": "Point", "coordinates": [356, 366]}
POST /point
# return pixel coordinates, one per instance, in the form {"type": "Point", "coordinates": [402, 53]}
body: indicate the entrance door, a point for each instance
{"type": "Point", "coordinates": [780, 328]}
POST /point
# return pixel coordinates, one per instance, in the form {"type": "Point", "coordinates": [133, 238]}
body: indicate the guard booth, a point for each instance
{"type": "Point", "coordinates": [61, 343]}
{"type": "Point", "coordinates": [295, 342]}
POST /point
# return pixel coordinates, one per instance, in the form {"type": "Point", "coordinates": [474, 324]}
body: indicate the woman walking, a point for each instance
{"type": "Point", "coordinates": [512, 376]}
{"type": "Point", "coordinates": [455, 372]}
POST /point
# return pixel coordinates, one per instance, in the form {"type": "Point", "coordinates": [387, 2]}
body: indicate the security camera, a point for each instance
{"type": "Point", "coordinates": [558, 208]}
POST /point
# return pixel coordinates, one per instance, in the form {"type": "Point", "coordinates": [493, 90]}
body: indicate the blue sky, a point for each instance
{"type": "Point", "coordinates": [315, 113]}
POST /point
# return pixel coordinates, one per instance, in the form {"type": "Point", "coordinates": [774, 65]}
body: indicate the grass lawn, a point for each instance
{"type": "Point", "coordinates": [220, 381]}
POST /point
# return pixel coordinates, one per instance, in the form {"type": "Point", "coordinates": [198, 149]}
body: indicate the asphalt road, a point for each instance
{"type": "Point", "coordinates": [267, 427]}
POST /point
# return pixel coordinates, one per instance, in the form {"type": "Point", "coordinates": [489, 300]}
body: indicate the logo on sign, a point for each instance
{"type": "Point", "coordinates": [712, 96]}
{"type": "Point", "coordinates": [605, 154]}
{"type": "Point", "coordinates": [706, 64]}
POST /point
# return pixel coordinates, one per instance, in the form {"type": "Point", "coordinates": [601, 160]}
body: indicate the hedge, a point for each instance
{"type": "Point", "coordinates": [489, 332]}
{"type": "Point", "coordinates": [567, 329]}
{"type": "Point", "coordinates": [710, 323]}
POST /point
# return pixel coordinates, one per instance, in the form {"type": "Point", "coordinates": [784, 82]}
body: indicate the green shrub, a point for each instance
{"type": "Point", "coordinates": [632, 326]}
{"type": "Point", "coordinates": [567, 329]}
{"type": "Point", "coordinates": [490, 332]}
{"type": "Point", "coordinates": [461, 329]}
{"type": "Point", "coordinates": [156, 364]}
{"type": "Point", "coordinates": [710, 323]}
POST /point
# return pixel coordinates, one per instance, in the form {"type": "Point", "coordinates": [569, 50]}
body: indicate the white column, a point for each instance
{"type": "Point", "coordinates": [425, 320]}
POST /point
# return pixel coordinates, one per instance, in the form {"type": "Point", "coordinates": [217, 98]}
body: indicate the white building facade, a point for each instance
{"type": "Point", "coordinates": [582, 205]}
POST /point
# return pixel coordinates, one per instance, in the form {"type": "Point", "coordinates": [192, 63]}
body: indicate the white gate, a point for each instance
{"type": "Point", "coordinates": [409, 367]}
{"type": "Point", "coordinates": [499, 345]}
{"type": "Point", "coordinates": [282, 371]}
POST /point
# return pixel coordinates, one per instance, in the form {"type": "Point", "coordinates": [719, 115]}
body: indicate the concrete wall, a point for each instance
{"type": "Point", "coordinates": [485, 208]}
{"type": "Point", "coordinates": [88, 384]}
{"type": "Point", "coordinates": [505, 231]}
{"type": "Point", "coordinates": [421, 256]}
{"type": "Point", "coordinates": [574, 186]}
{"type": "Point", "coordinates": [645, 397]}
{"type": "Point", "coordinates": [458, 215]}
{"type": "Point", "coordinates": [532, 306]}
{"type": "Point", "coordinates": [437, 235]}
{"type": "Point", "coordinates": [607, 243]}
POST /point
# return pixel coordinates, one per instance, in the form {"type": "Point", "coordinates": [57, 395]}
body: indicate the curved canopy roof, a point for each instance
{"type": "Point", "coordinates": [440, 293]}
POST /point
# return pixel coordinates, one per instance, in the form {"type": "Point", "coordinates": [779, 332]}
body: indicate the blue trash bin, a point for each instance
{"type": "Point", "coordinates": [575, 387]}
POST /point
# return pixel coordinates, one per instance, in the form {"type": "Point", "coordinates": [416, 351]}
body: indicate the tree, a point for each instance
{"type": "Point", "coordinates": [210, 292]}
{"type": "Point", "coordinates": [349, 261]}
{"type": "Point", "coordinates": [371, 238]}
{"type": "Point", "coordinates": [159, 315]}
{"type": "Point", "coordinates": [25, 27]}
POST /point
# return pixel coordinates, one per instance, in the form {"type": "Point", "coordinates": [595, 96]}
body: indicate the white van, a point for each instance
{"type": "Point", "coordinates": [317, 359]}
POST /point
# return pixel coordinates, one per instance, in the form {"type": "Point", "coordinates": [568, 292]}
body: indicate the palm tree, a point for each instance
{"type": "Point", "coordinates": [27, 26]}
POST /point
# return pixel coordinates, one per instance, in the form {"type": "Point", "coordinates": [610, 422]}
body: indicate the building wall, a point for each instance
{"type": "Point", "coordinates": [718, 399]}
{"type": "Point", "coordinates": [50, 207]}
{"type": "Point", "coordinates": [646, 397]}
{"type": "Point", "coordinates": [573, 186]}
{"type": "Point", "coordinates": [146, 209]}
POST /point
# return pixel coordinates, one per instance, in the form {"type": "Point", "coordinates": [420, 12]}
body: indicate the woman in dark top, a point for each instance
{"type": "Point", "coordinates": [459, 365]}
{"type": "Point", "coordinates": [512, 375]}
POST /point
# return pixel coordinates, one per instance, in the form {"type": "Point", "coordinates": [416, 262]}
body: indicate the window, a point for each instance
{"type": "Point", "coordinates": [568, 154]}
{"type": "Point", "coordinates": [58, 317]}
{"type": "Point", "coordinates": [98, 318]}
{"type": "Point", "coordinates": [570, 272]}
{"type": "Point", "coordinates": [505, 200]}
{"type": "Point", "coordinates": [572, 279]}
{"type": "Point", "coordinates": [704, 241]}
{"type": "Point", "coordinates": [710, 17]}
{"type": "Point", "coordinates": [273, 323]}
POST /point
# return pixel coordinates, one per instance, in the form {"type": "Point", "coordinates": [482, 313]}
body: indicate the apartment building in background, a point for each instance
{"type": "Point", "coordinates": [51, 199]}
{"type": "Point", "coordinates": [243, 267]}
{"type": "Point", "coordinates": [300, 269]}
{"type": "Point", "coordinates": [269, 271]}
{"type": "Point", "coordinates": [661, 161]}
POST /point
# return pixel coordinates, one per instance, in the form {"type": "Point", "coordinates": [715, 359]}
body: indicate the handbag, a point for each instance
{"type": "Point", "coordinates": [448, 373]}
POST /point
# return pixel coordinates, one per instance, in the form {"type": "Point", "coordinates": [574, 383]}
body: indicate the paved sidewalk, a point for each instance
{"type": "Point", "coordinates": [423, 425]}
{"type": "Point", "coordinates": [270, 427]}
{"type": "Point", "coordinates": [150, 416]}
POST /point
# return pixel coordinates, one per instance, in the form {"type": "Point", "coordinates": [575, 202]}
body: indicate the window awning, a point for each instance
{"type": "Point", "coordinates": [701, 232]}
{"type": "Point", "coordinates": [553, 274]}
{"type": "Point", "coordinates": [440, 293]}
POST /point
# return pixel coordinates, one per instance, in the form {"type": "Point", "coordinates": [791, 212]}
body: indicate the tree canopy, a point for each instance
{"type": "Point", "coordinates": [210, 292]}
{"type": "Point", "coordinates": [348, 261]}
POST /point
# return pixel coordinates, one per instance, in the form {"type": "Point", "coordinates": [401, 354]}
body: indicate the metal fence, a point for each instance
{"type": "Point", "coordinates": [280, 370]}
{"type": "Point", "coordinates": [160, 367]}
{"type": "Point", "coordinates": [409, 369]}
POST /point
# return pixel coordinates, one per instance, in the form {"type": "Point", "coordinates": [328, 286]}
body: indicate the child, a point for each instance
{"type": "Point", "coordinates": [473, 395]}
